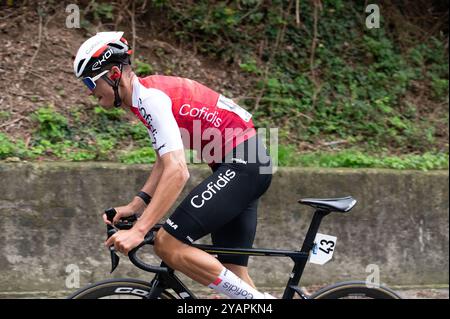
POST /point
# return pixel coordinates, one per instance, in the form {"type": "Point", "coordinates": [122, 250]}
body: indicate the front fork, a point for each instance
{"type": "Point", "coordinates": [165, 280]}
{"type": "Point", "coordinates": [157, 287]}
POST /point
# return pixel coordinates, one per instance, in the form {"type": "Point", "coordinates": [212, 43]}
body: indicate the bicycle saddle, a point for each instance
{"type": "Point", "coordinates": [341, 205]}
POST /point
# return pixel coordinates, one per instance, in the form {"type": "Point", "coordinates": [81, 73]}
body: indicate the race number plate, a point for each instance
{"type": "Point", "coordinates": [229, 105]}
{"type": "Point", "coordinates": [323, 249]}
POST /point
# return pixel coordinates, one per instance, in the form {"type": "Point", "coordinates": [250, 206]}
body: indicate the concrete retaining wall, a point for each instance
{"type": "Point", "coordinates": [50, 221]}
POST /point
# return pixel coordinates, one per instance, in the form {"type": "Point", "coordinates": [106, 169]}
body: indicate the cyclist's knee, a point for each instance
{"type": "Point", "coordinates": [165, 245]}
{"type": "Point", "coordinates": [158, 245]}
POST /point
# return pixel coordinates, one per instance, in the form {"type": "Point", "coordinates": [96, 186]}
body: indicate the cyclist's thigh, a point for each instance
{"type": "Point", "coordinates": [238, 233]}
{"type": "Point", "coordinates": [213, 203]}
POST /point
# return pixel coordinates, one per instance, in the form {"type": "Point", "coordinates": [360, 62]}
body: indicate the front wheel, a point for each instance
{"type": "Point", "coordinates": [354, 290]}
{"type": "Point", "coordinates": [117, 289]}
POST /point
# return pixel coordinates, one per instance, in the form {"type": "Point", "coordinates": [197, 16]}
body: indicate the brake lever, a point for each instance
{"type": "Point", "coordinates": [114, 257]}
{"type": "Point", "coordinates": [124, 223]}
{"type": "Point", "coordinates": [110, 230]}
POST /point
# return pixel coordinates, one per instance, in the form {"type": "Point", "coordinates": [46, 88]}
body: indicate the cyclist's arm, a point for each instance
{"type": "Point", "coordinates": [173, 178]}
{"type": "Point", "coordinates": [156, 109]}
{"type": "Point", "coordinates": [150, 185]}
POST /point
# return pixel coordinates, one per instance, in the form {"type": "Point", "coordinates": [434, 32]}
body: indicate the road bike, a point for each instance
{"type": "Point", "coordinates": [165, 284]}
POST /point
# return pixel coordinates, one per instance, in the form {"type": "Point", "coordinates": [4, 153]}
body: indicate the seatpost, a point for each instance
{"type": "Point", "coordinates": [308, 244]}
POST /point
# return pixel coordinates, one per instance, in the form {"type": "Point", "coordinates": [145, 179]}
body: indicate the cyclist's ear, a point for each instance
{"type": "Point", "coordinates": [114, 73]}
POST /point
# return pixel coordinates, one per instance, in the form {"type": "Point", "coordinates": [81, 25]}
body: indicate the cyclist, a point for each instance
{"type": "Point", "coordinates": [181, 113]}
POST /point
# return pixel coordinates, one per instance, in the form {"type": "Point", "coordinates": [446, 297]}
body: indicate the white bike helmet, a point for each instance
{"type": "Point", "coordinates": [97, 53]}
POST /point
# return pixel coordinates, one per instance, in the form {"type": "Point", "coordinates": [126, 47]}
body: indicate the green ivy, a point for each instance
{"type": "Point", "coordinates": [142, 69]}
{"type": "Point", "coordinates": [144, 155]}
{"type": "Point", "coordinates": [50, 124]}
{"type": "Point", "coordinates": [356, 159]}
{"type": "Point", "coordinates": [7, 148]}
{"type": "Point", "coordinates": [362, 79]}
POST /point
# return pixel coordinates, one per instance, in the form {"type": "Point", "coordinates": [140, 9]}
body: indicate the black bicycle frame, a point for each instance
{"type": "Point", "coordinates": [165, 277]}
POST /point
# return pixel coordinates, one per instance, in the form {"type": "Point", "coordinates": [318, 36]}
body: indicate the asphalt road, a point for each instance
{"type": "Point", "coordinates": [416, 293]}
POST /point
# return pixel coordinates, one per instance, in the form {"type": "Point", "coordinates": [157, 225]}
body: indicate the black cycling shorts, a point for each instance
{"type": "Point", "coordinates": [225, 203]}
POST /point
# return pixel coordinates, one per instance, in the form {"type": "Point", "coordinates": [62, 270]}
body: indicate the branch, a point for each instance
{"type": "Point", "coordinates": [314, 79]}
{"type": "Point", "coordinates": [30, 65]}
{"type": "Point", "coordinates": [133, 27]}
{"type": "Point", "coordinates": [12, 122]}
{"type": "Point", "coordinates": [251, 11]}
{"type": "Point", "coordinates": [297, 12]}
{"type": "Point", "coordinates": [314, 41]}
{"type": "Point", "coordinates": [280, 37]}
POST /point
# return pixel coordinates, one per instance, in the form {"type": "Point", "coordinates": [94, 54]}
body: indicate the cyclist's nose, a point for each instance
{"type": "Point", "coordinates": [89, 92]}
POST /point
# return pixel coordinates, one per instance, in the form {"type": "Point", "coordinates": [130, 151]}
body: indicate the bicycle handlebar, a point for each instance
{"type": "Point", "coordinates": [127, 223]}
{"type": "Point", "coordinates": [132, 255]}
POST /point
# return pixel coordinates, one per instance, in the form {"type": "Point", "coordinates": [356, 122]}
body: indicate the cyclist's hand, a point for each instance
{"type": "Point", "coordinates": [125, 240]}
{"type": "Point", "coordinates": [122, 212]}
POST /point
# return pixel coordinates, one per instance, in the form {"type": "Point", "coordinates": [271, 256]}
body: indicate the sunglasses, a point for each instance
{"type": "Point", "coordinates": [90, 81]}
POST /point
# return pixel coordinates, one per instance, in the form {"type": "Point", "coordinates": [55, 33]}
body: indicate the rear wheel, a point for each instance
{"type": "Point", "coordinates": [354, 290]}
{"type": "Point", "coordinates": [117, 289]}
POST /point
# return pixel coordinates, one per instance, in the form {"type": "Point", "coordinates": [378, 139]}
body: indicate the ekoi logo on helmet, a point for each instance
{"type": "Point", "coordinates": [97, 65]}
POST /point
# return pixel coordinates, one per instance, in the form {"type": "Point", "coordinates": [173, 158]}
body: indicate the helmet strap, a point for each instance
{"type": "Point", "coordinates": [115, 86]}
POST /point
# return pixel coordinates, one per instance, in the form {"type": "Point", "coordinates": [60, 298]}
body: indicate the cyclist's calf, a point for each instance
{"type": "Point", "coordinates": [193, 262]}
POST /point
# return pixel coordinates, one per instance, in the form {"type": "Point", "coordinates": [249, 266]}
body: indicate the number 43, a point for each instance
{"type": "Point", "coordinates": [329, 244]}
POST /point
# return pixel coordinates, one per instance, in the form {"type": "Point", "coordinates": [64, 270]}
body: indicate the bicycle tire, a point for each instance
{"type": "Point", "coordinates": [128, 288]}
{"type": "Point", "coordinates": [354, 290]}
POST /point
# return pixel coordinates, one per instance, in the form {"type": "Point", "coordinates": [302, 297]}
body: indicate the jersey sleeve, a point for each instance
{"type": "Point", "coordinates": [163, 129]}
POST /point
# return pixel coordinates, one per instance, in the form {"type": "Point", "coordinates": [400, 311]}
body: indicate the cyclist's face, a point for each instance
{"type": "Point", "coordinates": [104, 93]}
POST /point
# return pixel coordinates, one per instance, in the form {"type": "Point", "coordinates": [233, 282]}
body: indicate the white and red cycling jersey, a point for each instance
{"type": "Point", "coordinates": [178, 111]}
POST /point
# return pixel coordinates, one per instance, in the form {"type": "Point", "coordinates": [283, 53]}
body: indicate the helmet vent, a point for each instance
{"type": "Point", "coordinates": [115, 45]}
{"type": "Point", "coordinates": [80, 64]}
